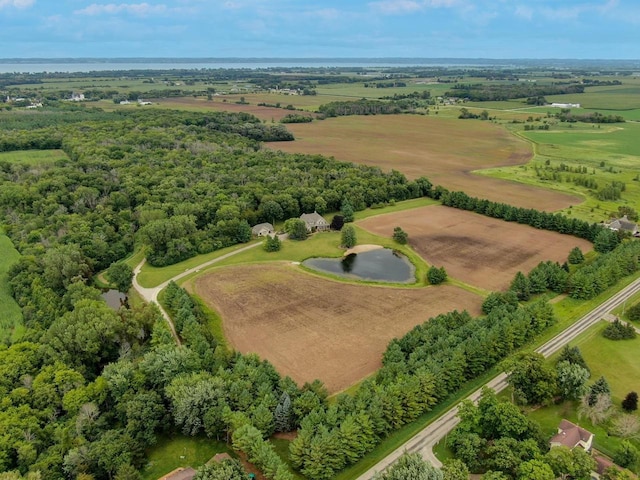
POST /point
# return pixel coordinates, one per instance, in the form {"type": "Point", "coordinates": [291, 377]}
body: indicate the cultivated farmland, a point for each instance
{"type": "Point", "coordinates": [482, 251]}
{"type": "Point", "coordinates": [444, 150]}
{"type": "Point", "coordinates": [311, 327]}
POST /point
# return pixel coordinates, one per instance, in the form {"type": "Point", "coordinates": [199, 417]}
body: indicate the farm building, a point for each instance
{"type": "Point", "coordinates": [314, 221]}
{"type": "Point", "coordinates": [262, 229]}
{"type": "Point", "coordinates": [566, 105]}
{"type": "Point", "coordinates": [625, 225]}
{"type": "Point", "coordinates": [571, 435]}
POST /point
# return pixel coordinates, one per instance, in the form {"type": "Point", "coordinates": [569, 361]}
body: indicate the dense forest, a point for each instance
{"type": "Point", "coordinates": [181, 183]}
{"type": "Point", "coordinates": [86, 390]}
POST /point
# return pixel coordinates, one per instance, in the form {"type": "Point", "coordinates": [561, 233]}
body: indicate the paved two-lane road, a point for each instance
{"type": "Point", "coordinates": [424, 441]}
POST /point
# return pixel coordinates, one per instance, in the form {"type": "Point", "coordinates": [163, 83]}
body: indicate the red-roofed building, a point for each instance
{"type": "Point", "coordinates": [571, 435]}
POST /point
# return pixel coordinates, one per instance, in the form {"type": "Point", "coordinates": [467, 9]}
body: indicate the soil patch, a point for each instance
{"type": "Point", "coordinates": [362, 248]}
{"type": "Point", "coordinates": [482, 251]}
{"type": "Point", "coordinates": [311, 327]}
{"type": "Point", "coordinates": [216, 104]}
{"type": "Point", "coordinates": [444, 150]}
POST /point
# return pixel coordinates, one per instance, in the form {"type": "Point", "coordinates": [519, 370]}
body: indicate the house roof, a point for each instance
{"type": "Point", "coordinates": [180, 474]}
{"type": "Point", "coordinates": [570, 434]}
{"type": "Point", "coordinates": [623, 224]}
{"type": "Point", "coordinates": [219, 457]}
{"type": "Point", "coordinates": [313, 219]}
{"type": "Point", "coordinates": [260, 226]}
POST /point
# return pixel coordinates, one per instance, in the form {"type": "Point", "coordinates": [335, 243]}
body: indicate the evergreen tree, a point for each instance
{"type": "Point", "coordinates": [283, 414]}
{"type": "Point", "coordinates": [272, 244]}
{"type": "Point", "coordinates": [630, 402]}
{"type": "Point", "coordinates": [575, 256]}
{"type": "Point", "coordinates": [337, 222]}
{"type": "Point", "coordinates": [347, 212]}
{"type": "Point", "coordinates": [349, 238]}
{"type": "Point", "coordinates": [521, 286]}
{"type": "Point", "coordinates": [436, 275]}
{"type": "Point", "coordinates": [573, 355]}
{"type": "Point", "coordinates": [400, 236]}
{"type": "Point", "coordinates": [600, 387]}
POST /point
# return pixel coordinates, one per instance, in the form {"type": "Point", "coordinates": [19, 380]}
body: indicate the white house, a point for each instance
{"type": "Point", "coordinates": [625, 225]}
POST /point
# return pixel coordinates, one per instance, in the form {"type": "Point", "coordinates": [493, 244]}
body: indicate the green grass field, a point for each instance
{"type": "Point", "coordinates": [179, 451]}
{"type": "Point", "coordinates": [33, 157]}
{"type": "Point", "coordinates": [10, 313]}
{"type": "Point", "coordinates": [609, 153]}
{"type": "Point", "coordinates": [622, 371]}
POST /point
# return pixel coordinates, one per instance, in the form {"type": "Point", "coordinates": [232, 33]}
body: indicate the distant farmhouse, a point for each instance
{"type": "Point", "coordinates": [565, 105]}
{"type": "Point", "coordinates": [571, 435]}
{"type": "Point", "coordinates": [314, 221]}
{"type": "Point", "coordinates": [623, 224]}
{"type": "Point", "coordinates": [262, 229]}
{"type": "Point", "coordinates": [77, 97]}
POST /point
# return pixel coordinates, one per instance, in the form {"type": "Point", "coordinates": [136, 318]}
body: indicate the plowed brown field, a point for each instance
{"type": "Point", "coordinates": [444, 150]}
{"type": "Point", "coordinates": [311, 327]}
{"type": "Point", "coordinates": [478, 250]}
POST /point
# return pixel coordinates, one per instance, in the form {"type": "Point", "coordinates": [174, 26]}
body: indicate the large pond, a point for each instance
{"type": "Point", "coordinates": [380, 265]}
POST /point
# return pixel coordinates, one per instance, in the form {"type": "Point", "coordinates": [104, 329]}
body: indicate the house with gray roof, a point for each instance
{"type": "Point", "coordinates": [625, 225]}
{"type": "Point", "coordinates": [315, 222]}
{"type": "Point", "coordinates": [262, 229]}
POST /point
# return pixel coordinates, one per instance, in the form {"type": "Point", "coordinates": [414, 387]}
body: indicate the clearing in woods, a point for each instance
{"type": "Point", "coordinates": [311, 327]}
{"type": "Point", "coordinates": [446, 151]}
{"type": "Point", "coordinates": [481, 251]}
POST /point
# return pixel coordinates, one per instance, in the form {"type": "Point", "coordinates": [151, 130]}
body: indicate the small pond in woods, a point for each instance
{"type": "Point", "coordinates": [380, 265]}
{"type": "Point", "coordinates": [114, 298]}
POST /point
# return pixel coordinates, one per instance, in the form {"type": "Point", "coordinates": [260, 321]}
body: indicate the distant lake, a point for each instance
{"type": "Point", "coordinates": [381, 265]}
{"type": "Point", "coordinates": [91, 65]}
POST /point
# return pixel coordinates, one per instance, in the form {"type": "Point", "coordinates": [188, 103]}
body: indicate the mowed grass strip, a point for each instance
{"type": "Point", "coordinates": [312, 327]}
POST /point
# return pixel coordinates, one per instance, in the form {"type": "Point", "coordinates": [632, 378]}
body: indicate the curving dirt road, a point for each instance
{"type": "Point", "coordinates": [151, 294]}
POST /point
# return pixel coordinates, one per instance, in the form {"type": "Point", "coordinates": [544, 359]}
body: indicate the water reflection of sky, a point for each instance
{"type": "Point", "coordinates": [381, 265]}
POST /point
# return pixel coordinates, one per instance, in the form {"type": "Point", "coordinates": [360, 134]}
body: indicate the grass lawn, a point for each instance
{"type": "Point", "coordinates": [171, 453]}
{"type": "Point", "coordinates": [617, 362]}
{"type": "Point", "coordinates": [325, 244]}
{"type": "Point", "coordinates": [33, 157]}
{"type": "Point", "coordinates": [281, 447]}
{"type": "Point", "coordinates": [10, 314]}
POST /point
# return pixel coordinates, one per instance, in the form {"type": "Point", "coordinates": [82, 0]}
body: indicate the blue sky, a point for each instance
{"type": "Point", "coordinates": [307, 28]}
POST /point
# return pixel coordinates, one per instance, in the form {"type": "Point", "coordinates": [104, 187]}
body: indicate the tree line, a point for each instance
{"type": "Point", "coordinates": [496, 92]}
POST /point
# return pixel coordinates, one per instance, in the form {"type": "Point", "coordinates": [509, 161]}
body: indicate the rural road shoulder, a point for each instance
{"type": "Point", "coordinates": [424, 441]}
{"type": "Point", "coordinates": [150, 295]}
